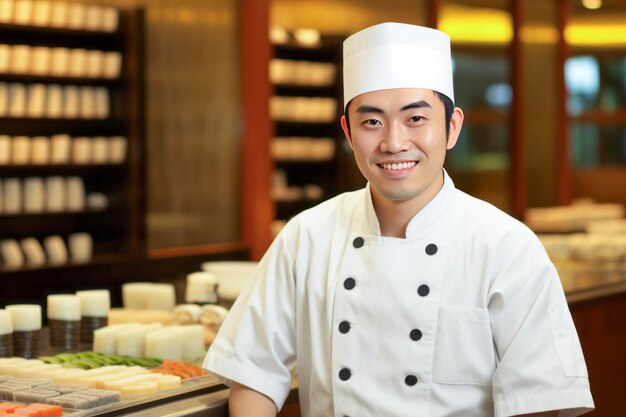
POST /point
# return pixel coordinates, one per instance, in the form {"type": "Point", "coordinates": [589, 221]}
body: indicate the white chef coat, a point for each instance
{"type": "Point", "coordinates": [464, 317]}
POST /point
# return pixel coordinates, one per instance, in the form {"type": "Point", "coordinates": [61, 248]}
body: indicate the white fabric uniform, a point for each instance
{"type": "Point", "coordinates": [465, 317]}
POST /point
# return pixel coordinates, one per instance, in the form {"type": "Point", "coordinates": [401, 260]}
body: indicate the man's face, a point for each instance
{"type": "Point", "coordinates": [399, 141]}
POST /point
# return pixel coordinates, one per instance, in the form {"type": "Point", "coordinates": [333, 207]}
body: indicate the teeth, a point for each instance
{"type": "Point", "coordinates": [402, 165]}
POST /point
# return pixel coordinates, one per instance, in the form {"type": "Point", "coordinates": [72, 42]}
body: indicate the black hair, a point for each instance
{"type": "Point", "coordinates": [447, 104]}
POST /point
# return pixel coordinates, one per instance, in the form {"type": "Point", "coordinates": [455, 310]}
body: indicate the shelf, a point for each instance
{"type": "Point", "coordinates": [48, 36]}
{"type": "Point", "coordinates": [75, 127]}
{"type": "Point", "coordinates": [306, 129]}
{"type": "Point", "coordinates": [304, 90]}
{"type": "Point", "coordinates": [309, 162]}
{"type": "Point", "coordinates": [63, 170]}
{"type": "Point", "coordinates": [324, 53]}
{"type": "Point", "coordinates": [287, 209]}
{"type": "Point", "coordinates": [98, 260]}
{"type": "Point", "coordinates": [304, 172]}
{"type": "Point", "coordinates": [118, 232]}
{"type": "Point", "coordinates": [40, 225]}
{"type": "Point", "coordinates": [598, 117]}
{"type": "Point", "coordinates": [48, 79]}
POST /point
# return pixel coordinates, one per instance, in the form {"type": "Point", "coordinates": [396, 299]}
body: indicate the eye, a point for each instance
{"type": "Point", "coordinates": [372, 122]}
{"type": "Point", "coordinates": [415, 119]}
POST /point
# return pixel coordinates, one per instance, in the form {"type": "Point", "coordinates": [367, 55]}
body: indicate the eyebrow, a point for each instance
{"type": "Point", "coordinates": [415, 105]}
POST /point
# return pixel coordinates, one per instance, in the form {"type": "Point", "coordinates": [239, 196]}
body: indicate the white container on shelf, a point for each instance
{"type": "Point", "coordinates": [42, 10]}
{"type": "Point", "coordinates": [76, 16]}
{"type": "Point", "coordinates": [5, 58]}
{"type": "Point", "coordinates": [6, 323]}
{"type": "Point", "coordinates": [59, 14]}
{"type": "Point", "coordinates": [12, 255]}
{"type": "Point", "coordinates": [94, 303]}
{"type": "Point", "coordinates": [71, 102]}
{"type": "Point", "coordinates": [112, 64]}
{"type": "Point", "coordinates": [59, 61]}
{"type": "Point", "coordinates": [4, 99]}
{"type": "Point", "coordinates": [20, 150]}
{"type": "Point", "coordinates": [12, 195]}
{"type": "Point", "coordinates": [77, 62]}
{"type": "Point", "coordinates": [87, 103]}
{"type": "Point", "coordinates": [101, 100]}
{"type": "Point", "coordinates": [117, 149]}
{"type": "Point", "coordinates": [17, 100]}
{"type": "Point", "coordinates": [56, 251]}
{"type": "Point", "coordinates": [34, 195]}
{"type": "Point", "coordinates": [160, 296]}
{"type": "Point", "coordinates": [110, 19]}
{"type": "Point", "coordinates": [6, 11]}
{"type": "Point", "coordinates": [40, 60]}
{"type": "Point", "coordinates": [231, 276]}
{"type": "Point", "coordinates": [23, 12]}
{"type": "Point", "coordinates": [100, 150]}
{"type": "Point", "coordinates": [5, 149]}
{"type": "Point", "coordinates": [25, 317]}
{"type": "Point", "coordinates": [93, 17]}
{"type": "Point", "coordinates": [97, 201]}
{"type": "Point", "coordinates": [75, 187]}
{"type": "Point", "coordinates": [54, 101]}
{"type": "Point", "coordinates": [81, 247]}
{"type": "Point", "coordinates": [94, 63]}
{"type": "Point", "coordinates": [33, 252]}
{"type": "Point", "coordinates": [36, 100]}
{"type": "Point", "coordinates": [40, 150]}
{"type": "Point", "coordinates": [64, 307]}
{"type": "Point", "coordinates": [81, 150]}
{"type": "Point", "coordinates": [201, 287]}
{"type": "Point", "coordinates": [60, 149]}
{"type": "Point", "coordinates": [20, 59]}
{"type": "Point", "coordinates": [134, 295]}
{"type": "Point", "coordinates": [56, 194]}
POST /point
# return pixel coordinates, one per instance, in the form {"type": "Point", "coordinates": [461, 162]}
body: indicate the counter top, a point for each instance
{"type": "Point", "coordinates": [584, 281]}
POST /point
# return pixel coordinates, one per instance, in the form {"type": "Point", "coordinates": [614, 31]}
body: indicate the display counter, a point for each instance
{"type": "Point", "coordinates": [597, 298]}
{"type": "Point", "coordinates": [586, 281]}
{"type": "Point", "coordinates": [596, 294]}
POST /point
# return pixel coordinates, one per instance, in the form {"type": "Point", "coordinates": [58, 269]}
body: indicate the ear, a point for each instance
{"type": "Point", "coordinates": [346, 130]}
{"type": "Point", "coordinates": [456, 122]}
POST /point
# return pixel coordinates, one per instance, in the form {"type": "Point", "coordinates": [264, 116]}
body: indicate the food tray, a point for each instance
{"type": "Point", "coordinates": [200, 385]}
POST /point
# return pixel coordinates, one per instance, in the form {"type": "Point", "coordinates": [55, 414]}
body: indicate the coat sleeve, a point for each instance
{"type": "Point", "coordinates": [541, 365]}
{"type": "Point", "coordinates": [255, 345]}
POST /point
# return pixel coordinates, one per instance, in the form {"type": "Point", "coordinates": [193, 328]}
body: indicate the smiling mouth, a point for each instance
{"type": "Point", "coordinates": [398, 166]}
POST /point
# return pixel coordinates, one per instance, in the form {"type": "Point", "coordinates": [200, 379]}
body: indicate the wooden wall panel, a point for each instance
{"type": "Point", "coordinates": [194, 121]}
{"type": "Point", "coordinates": [602, 334]}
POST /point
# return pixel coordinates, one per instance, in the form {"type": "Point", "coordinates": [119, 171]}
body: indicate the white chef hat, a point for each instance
{"type": "Point", "coordinates": [396, 55]}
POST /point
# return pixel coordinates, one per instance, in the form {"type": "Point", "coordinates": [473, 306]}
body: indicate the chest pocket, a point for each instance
{"type": "Point", "coordinates": [464, 352]}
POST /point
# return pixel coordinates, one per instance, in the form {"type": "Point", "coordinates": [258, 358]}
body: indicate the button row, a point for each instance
{"type": "Point", "coordinates": [431, 248]}
{"type": "Point", "coordinates": [349, 284]}
{"type": "Point", "coordinates": [345, 374]}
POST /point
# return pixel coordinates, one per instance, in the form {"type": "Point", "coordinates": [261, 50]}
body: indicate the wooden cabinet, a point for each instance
{"type": "Point", "coordinates": [96, 105]}
{"type": "Point", "coordinates": [305, 108]}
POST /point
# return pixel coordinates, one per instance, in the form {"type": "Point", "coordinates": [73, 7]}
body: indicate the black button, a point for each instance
{"type": "Point", "coordinates": [345, 374]}
{"type": "Point", "coordinates": [349, 283]}
{"type": "Point", "coordinates": [344, 327]}
{"type": "Point", "coordinates": [358, 242]}
{"type": "Point", "coordinates": [410, 380]}
{"type": "Point", "coordinates": [415, 334]}
{"type": "Point", "coordinates": [431, 249]}
{"type": "Point", "coordinates": [423, 290]}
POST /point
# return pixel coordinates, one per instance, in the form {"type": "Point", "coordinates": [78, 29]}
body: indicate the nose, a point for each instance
{"type": "Point", "coordinates": [394, 139]}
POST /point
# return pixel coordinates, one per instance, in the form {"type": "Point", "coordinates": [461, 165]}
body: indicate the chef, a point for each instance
{"type": "Point", "coordinates": [408, 297]}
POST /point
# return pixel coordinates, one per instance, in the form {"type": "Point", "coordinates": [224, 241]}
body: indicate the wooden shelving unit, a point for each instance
{"type": "Point", "coordinates": [303, 171]}
{"type": "Point", "coordinates": [118, 231]}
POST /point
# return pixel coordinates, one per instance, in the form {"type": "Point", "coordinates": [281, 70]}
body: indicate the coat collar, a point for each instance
{"type": "Point", "coordinates": [423, 223]}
